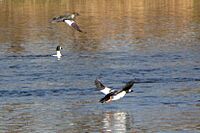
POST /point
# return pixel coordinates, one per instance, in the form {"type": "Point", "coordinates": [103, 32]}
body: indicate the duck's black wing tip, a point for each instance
{"type": "Point", "coordinates": [128, 85]}
{"type": "Point", "coordinates": [76, 27]}
{"type": "Point", "coordinates": [99, 85]}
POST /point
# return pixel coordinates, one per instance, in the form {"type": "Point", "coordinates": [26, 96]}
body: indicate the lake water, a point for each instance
{"type": "Point", "coordinates": [155, 42]}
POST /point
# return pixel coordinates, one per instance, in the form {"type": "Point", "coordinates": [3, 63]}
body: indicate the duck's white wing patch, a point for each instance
{"type": "Point", "coordinates": [106, 90]}
{"type": "Point", "coordinates": [74, 25]}
{"type": "Point", "coordinates": [102, 88]}
{"type": "Point", "coordinates": [119, 95]}
{"type": "Point", "coordinates": [69, 22]}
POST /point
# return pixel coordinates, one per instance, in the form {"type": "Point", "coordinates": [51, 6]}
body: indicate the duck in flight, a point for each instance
{"type": "Point", "coordinates": [111, 94]}
{"type": "Point", "coordinates": [69, 19]}
{"type": "Point", "coordinates": [58, 53]}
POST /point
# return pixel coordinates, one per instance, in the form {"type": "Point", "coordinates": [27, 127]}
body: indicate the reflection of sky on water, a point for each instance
{"type": "Point", "coordinates": [139, 25]}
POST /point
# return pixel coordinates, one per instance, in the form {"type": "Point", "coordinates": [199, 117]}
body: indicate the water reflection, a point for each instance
{"type": "Point", "coordinates": [117, 122]}
{"type": "Point", "coordinates": [15, 119]}
{"type": "Point", "coordinates": [120, 122]}
{"type": "Point", "coordinates": [16, 49]}
{"type": "Point", "coordinates": [108, 23]}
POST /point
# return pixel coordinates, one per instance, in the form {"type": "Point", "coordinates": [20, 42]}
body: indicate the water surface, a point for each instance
{"type": "Point", "coordinates": [154, 42]}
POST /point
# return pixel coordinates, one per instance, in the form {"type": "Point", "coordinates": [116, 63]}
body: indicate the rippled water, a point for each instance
{"type": "Point", "coordinates": [154, 42]}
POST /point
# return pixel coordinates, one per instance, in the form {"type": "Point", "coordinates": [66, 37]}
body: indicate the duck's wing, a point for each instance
{"type": "Point", "coordinates": [128, 86]}
{"type": "Point", "coordinates": [104, 89]}
{"type": "Point", "coordinates": [73, 24]}
{"type": "Point", "coordinates": [59, 19]}
{"type": "Point", "coordinates": [108, 97]}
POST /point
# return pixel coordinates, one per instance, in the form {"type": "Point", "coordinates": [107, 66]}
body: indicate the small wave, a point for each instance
{"type": "Point", "coordinates": [42, 93]}
{"type": "Point", "coordinates": [39, 93]}
{"type": "Point", "coordinates": [173, 103]}
{"type": "Point", "coordinates": [18, 93]}
{"type": "Point", "coordinates": [27, 56]}
{"type": "Point", "coordinates": [166, 80]}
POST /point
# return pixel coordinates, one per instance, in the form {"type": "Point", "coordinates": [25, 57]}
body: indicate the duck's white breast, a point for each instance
{"type": "Point", "coordinates": [120, 95]}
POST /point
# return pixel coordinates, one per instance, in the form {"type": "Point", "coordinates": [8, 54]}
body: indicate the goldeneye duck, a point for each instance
{"type": "Point", "coordinates": [58, 53]}
{"type": "Point", "coordinates": [69, 19]}
{"type": "Point", "coordinates": [111, 94]}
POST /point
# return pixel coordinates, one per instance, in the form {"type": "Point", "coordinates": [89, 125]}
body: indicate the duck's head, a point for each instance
{"type": "Point", "coordinates": [130, 84]}
{"type": "Point", "coordinates": [75, 13]}
{"type": "Point", "coordinates": [58, 48]}
{"type": "Point", "coordinates": [130, 90]}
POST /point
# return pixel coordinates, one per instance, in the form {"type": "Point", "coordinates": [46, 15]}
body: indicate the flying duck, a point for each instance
{"type": "Point", "coordinates": [111, 94]}
{"type": "Point", "coordinates": [69, 19]}
{"type": "Point", "coordinates": [58, 53]}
